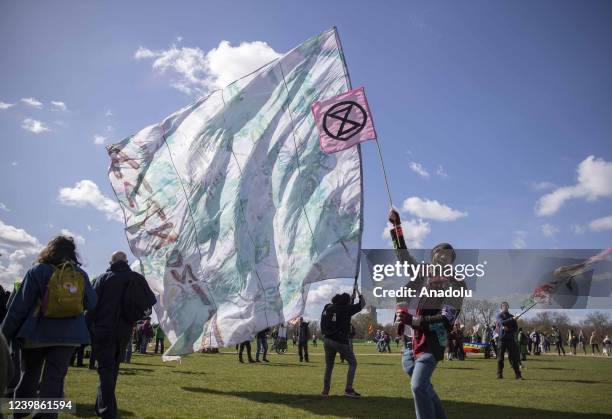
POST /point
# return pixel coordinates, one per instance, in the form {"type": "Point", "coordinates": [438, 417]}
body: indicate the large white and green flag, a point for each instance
{"type": "Point", "coordinates": [233, 209]}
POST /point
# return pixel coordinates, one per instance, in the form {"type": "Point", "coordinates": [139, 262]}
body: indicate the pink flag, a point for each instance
{"type": "Point", "coordinates": [343, 121]}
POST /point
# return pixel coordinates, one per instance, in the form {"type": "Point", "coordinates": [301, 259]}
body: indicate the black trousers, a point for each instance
{"type": "Point", "coordinates": [560, 348]}
{"type": "Point", "coordinates": [303, 351]}
{"type": "Point", "coordinates": [53, 362]}
{"type": "Point", "coordinates": [246, 345]}
{"type": "Point", "coordinates": [78, 356]}
{"type": "Point", "coordinates": [159, 343]}
{"type": "Point", "coordinates": [109, 351]}
{"type": "Point", "coordinates": [92, 358]}
{"type": "Point", "coordinates": [513, 356]}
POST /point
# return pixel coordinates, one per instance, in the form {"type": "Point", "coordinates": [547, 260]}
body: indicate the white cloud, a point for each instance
{"type": "Point", "coordinates": [4, 105]}
{"type": "Point", "coordinates": [519, 240]}
{"type": "Point", "coordinates": [108, 113]}
{"type": "Point", "coordinates": [594, 181]}
{"type": "Point", "coordinates": [415, 232]}
{"type": "Point", "coordinates": [14, 163]}
{"type": "Point", "coordinates": [542, 186]}
{"type": "Point", "coordinates": [418, 169]}
{"type": "Point", "coordinates": [34, 126]}
{"type": "Point", "coordinates": [549, 230]}
{"type": "Point", "coordinates": [99, 139]}
{"type": "Point", "coordinates": [86, 193]}
{"type": "Point", "coordinates": [325, 290]}
{"type": "Point", "coordinates": [33, 102]}
{"type": "Point", "coordinates": [3, 207]}
{"type": "Point", "coordinates": [601, 224]}
{"type": "Point", "coordinates": [17, 251]}
{"type": "Point", "coordinates": [197, 72]}
{"type": "Point", "coordinates": [109, 128]}
{"type": "Point", "coordinates": [17, 238]}
{"type": "Point", "coordinates": [578, 229]}
{"type": "Point", "coordinates": [441, 172]}
{"type": "Point", "coordinates": [78, 239]}
{"type": "Point", "coordinates": [431, 209]}
{"type": "Point", "coordinates": [60, 106]}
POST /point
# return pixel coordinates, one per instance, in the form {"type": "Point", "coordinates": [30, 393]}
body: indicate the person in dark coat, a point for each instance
{"type": "Point", "coordinates": [111, 331]}
{"type": "Point", "coordinates": [303, 334]}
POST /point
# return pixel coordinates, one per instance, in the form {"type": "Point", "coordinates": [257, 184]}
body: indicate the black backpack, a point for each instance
{"type": "Point", "coordinates": [138, 299]}
{"type": "Point", "coordinates": [329, 323]}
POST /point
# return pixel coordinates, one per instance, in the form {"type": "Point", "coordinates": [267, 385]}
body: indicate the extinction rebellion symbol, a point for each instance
{"type": "Point", "coordinates": [348, 126]}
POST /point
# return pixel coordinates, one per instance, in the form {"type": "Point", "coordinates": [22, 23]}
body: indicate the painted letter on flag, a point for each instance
{"type": "Point", "coordinates": [343, 121]}
{"type": "Point", "coordinates": [232, 208]}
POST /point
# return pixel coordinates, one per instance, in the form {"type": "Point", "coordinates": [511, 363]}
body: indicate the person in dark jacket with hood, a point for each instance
{"type": "Point", "coordinates": [111, 332]}
{"type": "Point", "coordinates": [337, 341]}
{"type": "Point", "coordinates": [507, 328]}
{"type": "Point", "coordinates": [303, 335]}
{"type": "Point", "coordinates": [46, 343]}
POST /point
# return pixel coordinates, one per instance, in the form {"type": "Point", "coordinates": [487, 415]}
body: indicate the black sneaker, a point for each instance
{"type": "Point", "coordinates": [257, 360]}
{"type": "Point", "coordinates": [499, 376]}
{"type": "Point", "coordinates": [351, 393]}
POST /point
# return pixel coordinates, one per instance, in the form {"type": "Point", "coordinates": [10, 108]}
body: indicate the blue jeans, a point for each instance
{"type": "Point", "coordinates": [427, 404]}
{"type": "Point", "coordinates": [262, 348]}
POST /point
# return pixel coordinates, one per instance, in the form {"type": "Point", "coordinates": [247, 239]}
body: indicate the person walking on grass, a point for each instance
{"type": "Point", "coordinates": [147, 334]}
{"type": "Point", "coordinates": [582, 341]}
{"type": "Point", "coordinates": [159, 339]}
{"type": "Point", "coordinates": [558, 337]}
{"type": "Point", "coordinates": [303, 334]}
{"type": "Point", "coordinates": [572, 339]}
{"type": "Point", "coordinates": [46, 319]}
{"type": "Point", "coordinates": [246, 344]}
{"type": "Point", "coordinates": [607, 346]}
{"type": "Point", "coordinates": [111, 328]}
{"type": "Point", "coordinates": [507, 329]}
{"type": "Point", "coordinates": [594, 343]}
{"type": "Point", "coordinates": [262, 345]}
{"type": "Point", "coordinates": [336, 329]}
{"type": "Point", "coordinates": [522, 342]}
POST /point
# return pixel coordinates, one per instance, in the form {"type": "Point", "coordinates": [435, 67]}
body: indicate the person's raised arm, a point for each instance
{"type": "Point", "coordinates": [358, 306]}
{"type": "Point", "coordinates": [397, 238]}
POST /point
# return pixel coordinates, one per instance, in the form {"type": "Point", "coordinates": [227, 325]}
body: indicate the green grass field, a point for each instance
{"type": "Point", "coordinates": [216, 385]}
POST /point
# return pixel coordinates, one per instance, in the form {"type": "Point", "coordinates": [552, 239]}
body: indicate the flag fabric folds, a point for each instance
{"type": "Point", "coordinates": [232, 208]}
{"type": "Point", "coordinates": [344, 121]}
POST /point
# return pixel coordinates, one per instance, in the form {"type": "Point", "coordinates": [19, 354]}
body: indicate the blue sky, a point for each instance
{"type": "Point", "coordinates": [493, 109]}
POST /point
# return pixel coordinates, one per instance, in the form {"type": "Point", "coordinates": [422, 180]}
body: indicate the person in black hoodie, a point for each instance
{"type": "Point", "coordinates": [337, 341]}
{"type": "Point", "coordinates": [111, 332]}
{"type": "Point", "coordinates": [303, 335]}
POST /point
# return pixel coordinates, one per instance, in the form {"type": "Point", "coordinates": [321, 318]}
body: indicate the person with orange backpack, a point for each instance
{"type": "Point", "coordinates": [46, 319]}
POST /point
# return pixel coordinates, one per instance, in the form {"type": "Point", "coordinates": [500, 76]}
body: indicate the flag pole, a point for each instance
{"type": "Point", "coordinates": [525, 311]}
{"type": "Point", "coordinates": [382, 164]}
{"type": "Point", "coordinates": [350, 85]}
